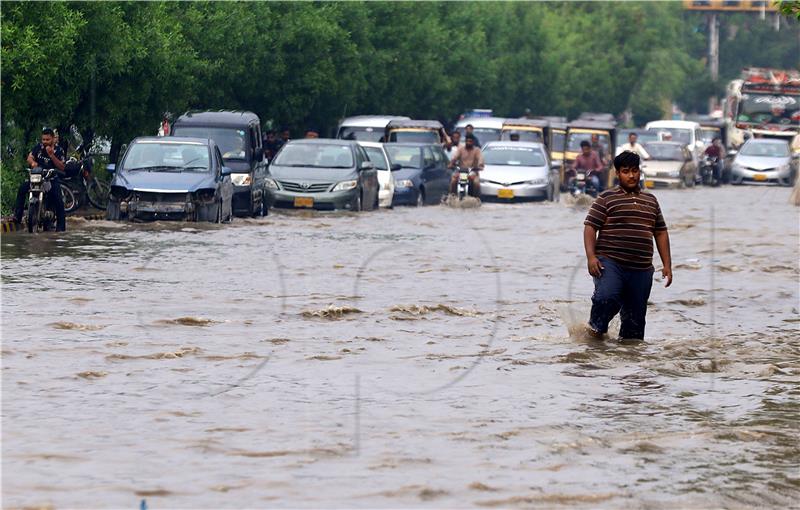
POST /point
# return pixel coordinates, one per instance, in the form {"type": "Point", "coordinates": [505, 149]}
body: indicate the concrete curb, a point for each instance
{"type": "Point", "coordinates": [10, 226]}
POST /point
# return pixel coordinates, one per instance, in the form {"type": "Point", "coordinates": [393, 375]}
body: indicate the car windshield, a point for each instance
{"type": "Point", "coordinates": [406, 157]}
{"type": "Point", "coordinates": [315, 155]}
{"type": "Point", "coordinates": [683, 136]}
{"type": "Point", "coordinates": [664, 152]}
{"type": "Point", "coordinates": [231, 141]}
{"type": "Point", "coordinates": [770, 150]}
{"type": "Point", "coordinates": [164, 156]}
{"type": "Point", "coordinates": [708, 134]}
{"type": "Point", "coordinates": [513, 156]}
{"type": "Point", "coordinates": [768, 109]}
{"type": "Point", "coordinates": [559, 140]}
{"type": "Point", "coordinates": [414, 136]}
{"type": "Point", "coordinates": [365, 134]}
{"type": "Point", "coordinates": [484, 135]}
{"type": "Point", "coordinates": [574, 140]}
{"type": "Point", "coordinates": [524, 136]}
{"type": "Point", "coordinates": [376, 156]}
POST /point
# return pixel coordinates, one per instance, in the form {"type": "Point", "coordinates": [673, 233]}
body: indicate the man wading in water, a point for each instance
{"type": "Point", "coordinates": [621, 258]}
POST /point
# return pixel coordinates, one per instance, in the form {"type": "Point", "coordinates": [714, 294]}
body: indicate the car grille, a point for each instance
{"type": "Point", "coordinates": [164, 198]}
{"type": "Point", "coordinates": [504, 183]}
{"type": "Point", "coordinates": [760, 169]}
{"type": "Point", "coordinates": [296, 187]}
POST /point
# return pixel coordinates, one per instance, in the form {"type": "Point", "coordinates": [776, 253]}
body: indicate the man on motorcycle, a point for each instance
{"type": "Point", "coordinates": [633, 146]}
{"type": "Point", "coordinates": [714, 152]}
{"type": "Point", "coordinates": [46, 155]}
{"type": "Point", "coordinates": [468, 155]}
{"type": "Point", "coordinates": [589, 162]}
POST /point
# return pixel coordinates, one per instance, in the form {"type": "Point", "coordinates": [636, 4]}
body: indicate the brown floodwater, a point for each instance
{"type": "Point", "coordinates": [403, 358]}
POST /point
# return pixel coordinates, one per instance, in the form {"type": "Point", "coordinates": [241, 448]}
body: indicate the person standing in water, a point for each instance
{"type": "Point", "coordinates": [618, 237]}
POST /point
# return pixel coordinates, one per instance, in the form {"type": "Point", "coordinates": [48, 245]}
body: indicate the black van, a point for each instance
{"type": "Point", "coordinates": [238, 136]}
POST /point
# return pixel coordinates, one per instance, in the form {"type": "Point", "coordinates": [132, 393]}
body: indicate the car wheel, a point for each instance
{"type": "Point", "coordinates": [112, 211]}
{"type": "Point", "coordinates": [420, 198]}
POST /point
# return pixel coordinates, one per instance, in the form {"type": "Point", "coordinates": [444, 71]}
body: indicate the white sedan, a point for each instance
{"type": "Point", "coordinates": [377, 154]}
{"type": "Point", "coordinates": [516, 170]}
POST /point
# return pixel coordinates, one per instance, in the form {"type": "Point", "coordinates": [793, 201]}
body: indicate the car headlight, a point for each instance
{"type": "Point", "coordinates": [537, 181]}
{"type": "Point", "coordinates": [271, 184]}
{"type": "Point", "coordinates": [403, 183]}
{"type": "Point", "coordinates": [345, 185]}
{"type": "Point", "coordinates": [36, 178]}
{"type": "Point", "coordinates": [737, 166]}
{"type": "Point", "coordinates": [241, 179]}
{"type": "Point", "coordinates": [783, 168]}
{"type": "Point", "coordinates": [675, 173]}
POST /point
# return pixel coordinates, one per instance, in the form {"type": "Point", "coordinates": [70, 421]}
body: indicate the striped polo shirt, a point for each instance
{"type": "Point", "coordinates": [626, 222]}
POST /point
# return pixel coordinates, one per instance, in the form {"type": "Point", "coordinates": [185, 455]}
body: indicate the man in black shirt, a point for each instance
{"type": "Point", "coordinates": [46, 155]}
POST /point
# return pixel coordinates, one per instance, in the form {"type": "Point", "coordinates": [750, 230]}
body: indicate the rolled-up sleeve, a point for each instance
{"type": "Point", "coordinates": [597, 215]}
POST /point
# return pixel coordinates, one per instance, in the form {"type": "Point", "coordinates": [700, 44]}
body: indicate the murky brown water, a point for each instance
{"type": "Point", "coordinates": [415, 357]}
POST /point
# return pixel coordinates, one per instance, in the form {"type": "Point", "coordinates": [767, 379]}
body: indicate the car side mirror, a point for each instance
{"type": "Point", "coordinates": [395, 167]}
{"type": "Point", "coordinates": [225, 171]}
{"type": "Point", "coordinates": [732, 153]}
{"type": "Point", "coordinates": [111, 167]}
{"type": "Point", "coordinates": [555, 165]}
{"type": "Point", "coordinates": [367, 165]}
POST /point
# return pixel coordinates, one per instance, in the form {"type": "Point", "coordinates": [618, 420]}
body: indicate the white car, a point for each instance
{"type": "Point", "coordinates": [517, 170]}
{"type": "Point", "coordinates": [377, 154]}
{"type": "Point", "coordinates": [763, 161]}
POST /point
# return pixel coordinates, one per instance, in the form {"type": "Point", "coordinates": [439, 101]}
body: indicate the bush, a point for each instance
{"type": "Point", "coordinates": [11, 176]}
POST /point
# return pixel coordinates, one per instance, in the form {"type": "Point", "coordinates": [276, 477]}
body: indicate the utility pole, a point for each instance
{"type": "Point", "coordinates": [713, 55]}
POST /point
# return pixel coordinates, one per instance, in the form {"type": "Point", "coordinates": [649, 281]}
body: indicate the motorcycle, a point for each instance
{"type": "Point", "coordinates": [581, 185]}
{"type": "Point", "coordinates": [707, 171]}
{"type": "Point", "coordinates": [464, 187]}
{"type": "Point", "coordinates": [83, 185]}
{"type": "Point", "coordinates": [40, 217]}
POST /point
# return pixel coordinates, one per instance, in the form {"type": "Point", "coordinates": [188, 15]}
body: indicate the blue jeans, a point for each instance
{"type": "Point", "coordinates": [624, 291]}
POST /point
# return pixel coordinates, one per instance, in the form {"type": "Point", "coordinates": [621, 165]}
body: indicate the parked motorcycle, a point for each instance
{"type": "Point", "coordinates": [83, 185]}
{"type": "Point", "coordinates": [40, 216]}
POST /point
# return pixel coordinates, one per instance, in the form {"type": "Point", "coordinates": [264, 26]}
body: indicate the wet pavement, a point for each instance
{"type": "Point", "coordinates": [404, 358]}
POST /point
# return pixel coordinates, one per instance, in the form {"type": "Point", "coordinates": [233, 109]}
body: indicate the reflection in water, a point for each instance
{"type": "Point", "coordinates": [241, 356]}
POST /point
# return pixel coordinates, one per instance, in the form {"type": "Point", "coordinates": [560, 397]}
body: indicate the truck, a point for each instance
{"type": "Point", "coordinates": [763, 102]}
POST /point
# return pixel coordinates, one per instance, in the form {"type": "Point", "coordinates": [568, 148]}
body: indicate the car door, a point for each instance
{"type": "Point", "coordinates": [369, 179]}
{"type": "Point", "coordinates": [429, 176]}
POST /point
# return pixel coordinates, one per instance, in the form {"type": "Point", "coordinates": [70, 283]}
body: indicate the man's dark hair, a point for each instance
{"type": "Point", "coordinates": [585, 144]}
{"type": "Point", "coordinates": [626, 159]}
{"type": "Point", "coordinates": [48, 131]}
{"type": "Point", "coordinates": [470, 136]}
{"type": "Point", "coordinates": [469, 126]}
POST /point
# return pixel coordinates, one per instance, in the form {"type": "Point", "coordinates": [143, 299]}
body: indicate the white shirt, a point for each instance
{"type": "Point", "coordinates": [637, 148]}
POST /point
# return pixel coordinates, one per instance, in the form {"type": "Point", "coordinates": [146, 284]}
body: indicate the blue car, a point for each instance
{"type": "Point", "coordinates": [420, 172]}
{"type": "Point", "coordinates": [171, 178]}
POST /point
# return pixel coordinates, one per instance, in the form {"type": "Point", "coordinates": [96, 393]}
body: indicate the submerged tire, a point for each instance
{"type": "Point", "coordinates": [33, 216]}
{"type": "Point", "coordinates": [68, 196]}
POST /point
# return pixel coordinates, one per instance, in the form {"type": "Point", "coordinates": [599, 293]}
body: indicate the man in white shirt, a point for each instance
{"type": "Point", "coordinates": [633, 146]}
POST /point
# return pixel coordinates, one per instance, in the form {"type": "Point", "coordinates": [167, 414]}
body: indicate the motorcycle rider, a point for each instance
{"type": "Point", "coordinates": [468, 155]}
{"type": "Point", "coordinates": [633, 146]}
{"type": "Point", "coordinates": [714, 151]}
{"type": "Point", "coordinates": [590, 163]}
{"type": "Point", "coordinates": [45, 155]}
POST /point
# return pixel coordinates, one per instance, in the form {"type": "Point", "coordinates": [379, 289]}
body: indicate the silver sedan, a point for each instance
{"type": "Point", "coordinates": [762, 161]}
{"type": "Point", "coordinates": [516, 170]}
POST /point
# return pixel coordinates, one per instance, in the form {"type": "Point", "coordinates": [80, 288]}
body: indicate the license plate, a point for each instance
{"type": "Point", "coordinates": [303, 202]}
{"type": "Point", "coordinates": [759, 177]}
{"type": "Point", "coordinates": [649, 184]}
{"type": "Point", "coordinates": [505, 193]}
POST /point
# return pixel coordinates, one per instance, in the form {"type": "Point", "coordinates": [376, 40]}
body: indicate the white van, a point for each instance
{"type": "Point", "coordinates": [686, 132]}
{"type": "Point", "coordinates": [486, 129]}
{"type": "Point", "coordinates": [365, 128]}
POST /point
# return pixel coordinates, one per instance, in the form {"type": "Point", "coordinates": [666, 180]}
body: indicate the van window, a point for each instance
{"type": "Point", "coordinates": [232, 142]}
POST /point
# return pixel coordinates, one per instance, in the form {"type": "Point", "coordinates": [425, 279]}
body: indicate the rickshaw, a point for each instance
{"type": "Point", "coordinates": [580, 130]}
{"type": "Point", "coordinates": [529, 130]}
{"type": "Point", "coordinates": [556, 137]}
{"type": "Point", "coordinates": [415, 131]}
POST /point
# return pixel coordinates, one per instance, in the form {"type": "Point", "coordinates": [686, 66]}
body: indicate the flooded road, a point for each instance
{"type": "Point", "coordinates": [405, 358]}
